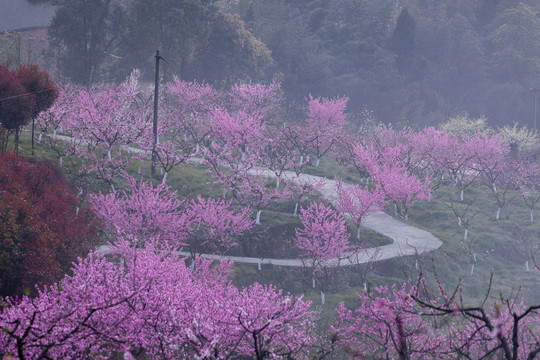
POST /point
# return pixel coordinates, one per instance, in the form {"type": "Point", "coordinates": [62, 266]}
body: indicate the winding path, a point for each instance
{"type": "Point", "coordinates": [408, 240]}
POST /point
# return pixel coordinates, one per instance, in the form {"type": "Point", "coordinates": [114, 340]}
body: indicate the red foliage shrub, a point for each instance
{"type": "Point", "coordinates": [41, 233]}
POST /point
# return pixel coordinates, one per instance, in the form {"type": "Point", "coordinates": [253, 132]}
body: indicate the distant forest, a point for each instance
{"type": "Point", "coordinates": [415, 61]}
{"type": "Point", "coordinates": [419, 61]}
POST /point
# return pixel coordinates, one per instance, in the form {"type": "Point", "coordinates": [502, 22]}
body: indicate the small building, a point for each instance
{"type": "Point", "coordinates": [23, 32]}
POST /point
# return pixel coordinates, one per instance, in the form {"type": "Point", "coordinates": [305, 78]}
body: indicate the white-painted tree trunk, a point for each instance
{"type": "Point", "coordinates": [224, 194]}
{"type": "Point", "coordinates": [472, 269]}
{"type": "Point", "coordinates": [322, 298]}
{"type": "Point", "coordinates": [532, 217]}
{"type": "Point", "coordinates": [197, 148]}
{"type": "Point", "coordinates": [61, 161]}
{"type": "Point", "coordinates": [459, 221]}
{"type": "Point", "coordinates": [461, 196]}
{"type": "Point", "coordinates": [76, 211]}
{"type": "Point", "coordinates": [497, 217]}
{"type": "Point", "coordinates": [318, 162]}
{"type": "Point", "coordinates": [161, 171]}
{"type": "Point", "coordinates": [465, 235]}
{"type": "Point", "coordinates": [54, 134]}
{"type": "Point", "coordinates": [301, 160]}
{"type": "Point", "coordinates": [112, 188]}
{"type": "Point", "coordinates": [192, 265]}
{"type": "Point", "coordinates": [313, 282]}
{"type": "Point", "coordinates": [527, 265]}
{"type": "Point", "coordinates": [395, 209]}
{"type": "Point", "coordinates": [494, 189]}
{"type": "Point", "coordinates": [474, 257]}
{"type": "Point", "coordinates": [365, 286]}
{"type": "Point", "coordinates": [277, 182]}
{"type": "Point", "coordinates": [109, 154]}
{"type": "Point", "coordinates": [407, 216]}
{"type": "Point", "coordinates": [185, 137]}
{"type": "Point", "coordinates": [295, 213]}
{"type": "Point", "coordinates": [442, 177]}
{"type": "Point", "coordinates": [259, 264]}
{"type": "Point", "coordinates": [39, 138]}
{"type": "Point", "coordinates": [258, 219]}
{"type": "Point", "coordinates": [416, 264]}
{"type": "Point", "coordinates": [358, 233]}
{"type": "Point", "coordinates": [164, 180]}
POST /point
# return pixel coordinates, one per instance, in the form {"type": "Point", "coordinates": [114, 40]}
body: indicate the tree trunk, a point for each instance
{"type": "Point", "coordinates": [33, 126]}
{"type": "Point", "coordinates": [16, 145]}
{"type": "Point", "coordinates": [258, 219]}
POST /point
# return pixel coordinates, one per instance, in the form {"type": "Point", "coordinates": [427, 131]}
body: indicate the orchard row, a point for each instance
{"type": "Point", "coordinates": [150, 302]}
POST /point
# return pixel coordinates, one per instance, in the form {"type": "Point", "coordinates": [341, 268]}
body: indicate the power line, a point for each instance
{"type": "Point", "coordinates": [21, 95]}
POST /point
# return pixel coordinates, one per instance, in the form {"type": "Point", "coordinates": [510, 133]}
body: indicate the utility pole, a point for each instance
{"type": "Point", "coordinates": [156, 95]}
{"type": "Point", "coordinates": [535, 90]}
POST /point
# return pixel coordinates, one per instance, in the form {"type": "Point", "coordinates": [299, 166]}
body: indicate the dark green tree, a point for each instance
{"type": "Point", "coordinates": [232, 53]}
{"type": "Point", "coordinates": [403, 38]}
{"type": "Point", "coordinates": [176, 27]}
{"type": "Point", "coordinates": [84, 34]}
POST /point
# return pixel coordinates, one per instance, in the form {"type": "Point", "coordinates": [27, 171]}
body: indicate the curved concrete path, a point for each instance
{"type": "Point", "coordinates": [408, 240]}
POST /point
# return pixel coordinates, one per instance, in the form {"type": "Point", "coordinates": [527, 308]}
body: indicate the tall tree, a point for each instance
{"type": "Point", "coordinates": [82, 33]}
{"type": "Point", "coordinates": [15, 109]}
{"type": "Point", "coordinates": [42, 91]}
{"type": "Point", "coordinates": [175, 27]}
{"type": "Point", "coordinates": [232, 53]}
{"type": "Point", "coordinates": [403, 38]}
